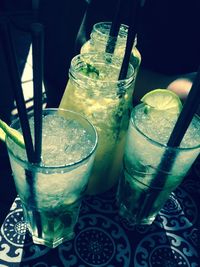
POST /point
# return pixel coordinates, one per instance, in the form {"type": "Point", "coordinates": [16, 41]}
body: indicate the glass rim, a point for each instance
{"type": "Point", "coordinates": [123, 27]}
{"type": "Point", "coordinates": [57, 167]}
{"type": "Point", "coordinates": [156, 143]}
{"type": "Point", "coordinates": [122, 35]}
{"type": "Point", "coordinates": [77, 74]}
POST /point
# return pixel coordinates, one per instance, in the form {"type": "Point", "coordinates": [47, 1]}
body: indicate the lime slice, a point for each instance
{"type": "Point", "coordinates": [163, 99]}
{"type": "Point", "coordinates": [12, 133]}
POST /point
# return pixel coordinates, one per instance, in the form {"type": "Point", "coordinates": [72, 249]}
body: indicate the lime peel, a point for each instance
{"type": "Point", "coordinates": [15, 135]}
{"type": "Point", "coordinates": [2, 135]}
{"type": "Point", "coordinates": [162, 99]}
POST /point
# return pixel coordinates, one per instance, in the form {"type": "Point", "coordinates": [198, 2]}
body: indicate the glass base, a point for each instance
{"type": "Point", "coordinates": [55, 243]}
{"type": "Point", "coordinates": [134, 219]}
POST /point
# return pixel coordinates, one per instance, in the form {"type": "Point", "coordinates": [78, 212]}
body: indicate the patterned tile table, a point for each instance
{"type": "Point", "coordinates": [103, 238]}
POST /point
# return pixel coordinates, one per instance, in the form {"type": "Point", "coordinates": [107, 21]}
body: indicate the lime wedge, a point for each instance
{"type": "Point", "coordinates": [163, 100]}
{"type": "Point", "coordinates": [2, 135]}
{"type": "Point", "coordinates": [12, 133]}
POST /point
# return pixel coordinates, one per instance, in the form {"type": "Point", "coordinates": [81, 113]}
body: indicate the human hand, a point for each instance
{"type": "Point", "coordinates": [181, 86]}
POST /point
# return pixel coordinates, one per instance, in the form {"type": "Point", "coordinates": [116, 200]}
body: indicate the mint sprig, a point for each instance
{"type": "Point", "coordinates": [90, 70]}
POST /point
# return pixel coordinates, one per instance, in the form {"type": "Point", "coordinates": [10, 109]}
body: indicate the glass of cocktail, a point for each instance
{"type": "Point", "coordinates": [51, 191]}
{"type": "Point", "coordinates": [152, 169]}
{"type": "Point", "coordinates": [99, 39]}
{"type": "Point", "coordinates": [94, 90]}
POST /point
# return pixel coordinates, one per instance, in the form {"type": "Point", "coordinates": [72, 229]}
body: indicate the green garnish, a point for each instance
{"type": "Point", "coordinates": [162, 100]}
{"type": "Point", "coordinates": [15, 135]}
{"type": "Point", "coordinates": [90, 71]}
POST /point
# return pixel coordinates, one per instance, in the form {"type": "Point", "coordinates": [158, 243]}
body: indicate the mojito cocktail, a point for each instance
{"type": "Point", "coordinates": [51, 191]}
{"type": "Point", "coordinates": [93, 89]}
{"type": "Point", "coordinates": [146, 184]}
{"type": "Point", "coordinates": [99, 39]}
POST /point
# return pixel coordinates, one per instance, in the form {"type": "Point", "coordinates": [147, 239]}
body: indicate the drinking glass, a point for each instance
{"type": "Point", "coordinates": [51, 191]}
{"type": "Point", "coordinates": [94, 90]}
{"type": "Point", "coordinates": [151, 169]}
{"type": "Point", "coordinates": [99, 39]}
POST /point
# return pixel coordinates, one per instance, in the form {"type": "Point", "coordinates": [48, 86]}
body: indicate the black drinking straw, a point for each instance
{"type": "Point", "coordinates": [169, 157]}
{"type": "Point", "coordinates": [21, 107]}
{"type": "Point", "coordinates": [17, 87]}
{"type": "Point", "coordinates": [188, 111]}
{"type": "Point", "coordinates": [37, 33]}
{"type": "Point", "coordinates": [135, 6]}
{"type": "Point", "coordinates": [114, 30]}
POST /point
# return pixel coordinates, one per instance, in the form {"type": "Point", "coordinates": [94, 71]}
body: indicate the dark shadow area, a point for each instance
{"type": "Point", "coordinates": [7, 187]}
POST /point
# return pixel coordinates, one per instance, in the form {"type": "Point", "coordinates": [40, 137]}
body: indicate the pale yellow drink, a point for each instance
{"type": "Point", "coordinates": [94, 90]}
{"type": "Point", "coordinates": [99, 39]}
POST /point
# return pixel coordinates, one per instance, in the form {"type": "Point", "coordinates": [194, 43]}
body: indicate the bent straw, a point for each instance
{"type": "Point", "coordinates": [114, 30]}
{"type": "Point", "coordinates": [135, 6]}
{"type": "Point", "coordinates": [17, 87]}
{"type": "Point", "coordinates": [37, 33]}
{"type": "Point", "coordinates": [189, 109]}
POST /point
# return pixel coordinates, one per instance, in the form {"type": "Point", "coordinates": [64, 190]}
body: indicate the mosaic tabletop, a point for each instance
{"type": "Point", "coordinates": [103, 238]}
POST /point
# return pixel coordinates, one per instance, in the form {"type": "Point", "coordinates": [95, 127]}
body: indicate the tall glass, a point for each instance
{"type": "Point", "coordinates": [151, 169]}
{"type": "Point", "coordinates": [99, 39]}
{"type": "Point", "coordinates": [51, 191]}
{"type": "Point", "coordinates": [94, 90]}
